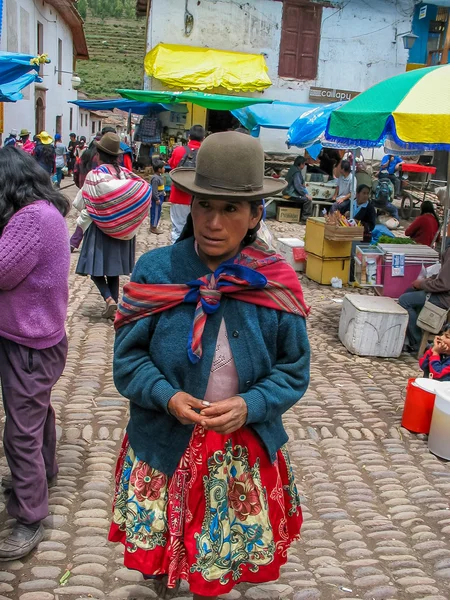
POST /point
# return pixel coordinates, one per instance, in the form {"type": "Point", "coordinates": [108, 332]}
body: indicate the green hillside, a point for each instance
{"type": "Point", "coordinates": [116, 43]}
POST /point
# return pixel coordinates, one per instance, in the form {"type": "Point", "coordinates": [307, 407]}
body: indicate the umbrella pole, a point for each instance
{"type": "Point", "coordinates": [356, 152]}
{"type": "Point", "coordinates": [446, 208]}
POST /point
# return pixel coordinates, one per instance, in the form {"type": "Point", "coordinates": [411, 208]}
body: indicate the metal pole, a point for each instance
{"type": "Point", "coordinates": [353, 190]}
{"type": "Point", "coordinates": [446, 208]}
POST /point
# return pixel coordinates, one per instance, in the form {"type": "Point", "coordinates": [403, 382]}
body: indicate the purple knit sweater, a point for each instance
{"type": "Point", "coordinates": [34, 273]}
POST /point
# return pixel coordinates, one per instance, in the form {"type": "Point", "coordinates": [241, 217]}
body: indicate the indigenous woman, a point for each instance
{"type": "Point", "coordinates": [113, 203]}
{"type": "Point", "coordinates": [211, 349]}
{"type": "Point", "coordinates": [34, 291]}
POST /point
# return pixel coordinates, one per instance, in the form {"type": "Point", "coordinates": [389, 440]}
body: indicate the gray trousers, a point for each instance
{"type": "Point", "coordinates": [29, 438]}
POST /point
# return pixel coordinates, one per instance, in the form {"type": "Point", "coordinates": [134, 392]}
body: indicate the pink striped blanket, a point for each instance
{"type": "Point", "coordinates": [117, 205]}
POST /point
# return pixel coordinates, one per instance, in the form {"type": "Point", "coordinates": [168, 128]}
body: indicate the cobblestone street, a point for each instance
{"type": "Point", "coordinates": [375, 501]}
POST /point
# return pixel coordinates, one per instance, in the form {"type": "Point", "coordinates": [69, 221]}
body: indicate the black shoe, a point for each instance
{"type": "Point", "coordinates": [7, 483]}
{"type": "Point", "coordinates": [21, 541]}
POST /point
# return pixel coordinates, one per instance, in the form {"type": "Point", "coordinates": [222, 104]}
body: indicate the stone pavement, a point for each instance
{"type": "Point", "coordinates": [375, 501]}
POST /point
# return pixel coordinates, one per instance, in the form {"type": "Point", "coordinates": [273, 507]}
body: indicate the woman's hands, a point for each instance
{"type": "Point", "coordinates": [225, 416]}
{"type": "Point", "coordinates": [186, 408]}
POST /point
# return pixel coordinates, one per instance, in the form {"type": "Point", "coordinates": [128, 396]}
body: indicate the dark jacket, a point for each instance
{"type": "Point", "coordinates": [151, 364]}
{"type": "Point", "coordinates": [45, 156]}
{"type": "Point", "coordinates": [296, 188]}
{"type": "Point", "coordinates": [368, 217]}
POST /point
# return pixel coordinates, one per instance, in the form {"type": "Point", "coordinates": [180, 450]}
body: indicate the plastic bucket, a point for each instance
{"type": "Point", "coordinates": [418, 409]}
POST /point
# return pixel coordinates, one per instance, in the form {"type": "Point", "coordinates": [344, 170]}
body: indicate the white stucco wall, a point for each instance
{"type": "Point", "coordinates": [19, 34]}
{"type": "Point", "coordinates": [356, 48]}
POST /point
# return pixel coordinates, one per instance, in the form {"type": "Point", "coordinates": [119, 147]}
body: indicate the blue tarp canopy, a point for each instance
{"type": "Point", "coordinates": [16, 72]}
{"type": "Point", "coordinates": [279, 115]}
{"type": "Point", "coordinates": [310, 126]}
{"type": "Point", "coordinates": [137, 108]}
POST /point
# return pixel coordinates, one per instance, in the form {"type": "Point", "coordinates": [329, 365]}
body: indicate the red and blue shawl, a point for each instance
{"type": "Point", "coordinates": [256, 275]}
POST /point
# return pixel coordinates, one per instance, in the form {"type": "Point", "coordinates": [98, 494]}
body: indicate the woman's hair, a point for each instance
{"type": "Point", "coordinates": [109, 159]}
{"type": "Point", "coordinates": [428, 209]}
{"type": "Point", "coordinates": [22, 182]}
{"type": "Point", "coordinates": [188, 230]}
{"type": "Point", "coordinates": [362, 187]}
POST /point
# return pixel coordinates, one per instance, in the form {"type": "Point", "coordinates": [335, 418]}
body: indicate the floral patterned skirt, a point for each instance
{"type": "Point", "coordinates": [227, 515]}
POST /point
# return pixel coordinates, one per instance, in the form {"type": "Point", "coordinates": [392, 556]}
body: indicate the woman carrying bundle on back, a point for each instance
{"type": "Point", "coordinates": [113, 203]}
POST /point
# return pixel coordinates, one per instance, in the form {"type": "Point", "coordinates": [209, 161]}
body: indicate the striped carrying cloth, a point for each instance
{"type": "Point", "coordinates": [257, 275]}
{"type": "Point", "coordinates": [117, 205]}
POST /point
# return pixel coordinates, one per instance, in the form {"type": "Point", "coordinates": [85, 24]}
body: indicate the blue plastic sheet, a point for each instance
{"type": "Point", "coordinates": [279, 115]}
{"type": "Point", "coordinates": [310, 126]}
{"type": "Point", "coordinates": [138, 108]}
{"type": "Point", "coordinates": [16, 72]}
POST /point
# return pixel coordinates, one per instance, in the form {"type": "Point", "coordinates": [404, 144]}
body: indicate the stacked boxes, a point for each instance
{"type": "Point", "coordinates": [326, 258]}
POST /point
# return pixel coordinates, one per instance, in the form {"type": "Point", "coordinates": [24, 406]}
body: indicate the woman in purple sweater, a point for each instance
{"type": "Point", "coordinates": [34, 271]}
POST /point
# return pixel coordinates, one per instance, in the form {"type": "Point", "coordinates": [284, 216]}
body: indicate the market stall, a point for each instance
{"type": "Point", "coordinates": [411, 110]}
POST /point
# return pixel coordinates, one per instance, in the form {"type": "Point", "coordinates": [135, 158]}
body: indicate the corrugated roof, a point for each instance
{"type": "Point", "coordinates": [67, 10]}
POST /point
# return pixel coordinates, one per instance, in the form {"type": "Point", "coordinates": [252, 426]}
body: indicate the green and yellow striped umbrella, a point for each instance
{"type": "Point", "coordinates": [412, 108]}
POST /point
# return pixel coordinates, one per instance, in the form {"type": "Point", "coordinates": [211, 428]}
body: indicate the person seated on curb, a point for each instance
{"type": "Point", "coordinates": [435, 363]}
{"type": "Point", "coordinates": [296, 190]}
{"type": "Point", "coordinates": [345, 186]}
{"type": "Point", "coordinates": [434, 289]}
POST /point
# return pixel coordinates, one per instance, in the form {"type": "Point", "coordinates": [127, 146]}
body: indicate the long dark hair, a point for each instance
{"type": "Point", "coordinates": [22, 182]}
{"type": "Point", "coordinates": [428, 209]}
{"type": "Point", "coordinates": [87, 158]}
{"type": "Point", "coordinates": [109, 159]}
{"type": "Point", "coordinates": [188, 230]}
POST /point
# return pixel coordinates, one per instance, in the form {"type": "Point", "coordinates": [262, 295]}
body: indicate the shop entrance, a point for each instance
{"type": "Point", "coordinates": [220, 120]}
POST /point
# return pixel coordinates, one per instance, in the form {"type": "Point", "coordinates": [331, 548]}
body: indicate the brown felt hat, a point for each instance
{"type": "Point", "coordinates": [109, 143]}
{"type": "Point", "coordinates": [230, 166]}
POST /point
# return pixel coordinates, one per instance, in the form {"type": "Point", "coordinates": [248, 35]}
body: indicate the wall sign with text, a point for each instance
{"type": "Point", "coordinates": [318, 94]}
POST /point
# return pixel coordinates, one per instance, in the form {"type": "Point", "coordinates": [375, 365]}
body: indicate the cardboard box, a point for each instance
{"type": "Point", "coordinates": [293, 251]}
{"type": "Point", "coordinates": [372, 325]}
{"type": "Point", "coordinates": [323, 270]}
{"type": "Point", "coordinates": [286, 214]}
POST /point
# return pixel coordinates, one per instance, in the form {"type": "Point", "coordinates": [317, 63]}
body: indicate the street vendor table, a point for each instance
{"type": "Point", "coordinates": [321, 194]}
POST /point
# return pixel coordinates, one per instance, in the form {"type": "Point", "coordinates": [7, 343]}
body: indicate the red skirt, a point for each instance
{"type": "Point", "coordinates": [226, 516]}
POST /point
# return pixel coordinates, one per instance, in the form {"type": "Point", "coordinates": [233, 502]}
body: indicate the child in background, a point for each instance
{"type": "Point", "coordinates": [158, 195]}
{"type": "Point", "coordinates": [435, 363]}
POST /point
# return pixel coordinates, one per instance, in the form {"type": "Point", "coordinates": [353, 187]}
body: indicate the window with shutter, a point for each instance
{"type": "Point", "coordinates": [300, 39]}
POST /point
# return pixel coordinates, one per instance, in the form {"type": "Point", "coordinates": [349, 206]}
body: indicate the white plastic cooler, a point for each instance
{"type": "Point", "coordinates": [293, 251]}
{"type": "Point", "coordinates": [372, 325]}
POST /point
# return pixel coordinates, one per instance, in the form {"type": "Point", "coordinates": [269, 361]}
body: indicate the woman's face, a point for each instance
{"type": "Point", "coordinates": [220, 226]}
{"type": "Point", "coordinates": [363, 196]}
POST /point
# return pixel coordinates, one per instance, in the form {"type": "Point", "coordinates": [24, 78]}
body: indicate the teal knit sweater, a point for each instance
{"type": "Point", "coordinates": [151, 364]}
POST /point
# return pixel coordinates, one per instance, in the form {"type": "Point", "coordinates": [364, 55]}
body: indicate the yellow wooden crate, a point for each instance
{"type": "Point", "coordinates": [323, 270]}
{"type": "Point", "coordinates": [316, 243]}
